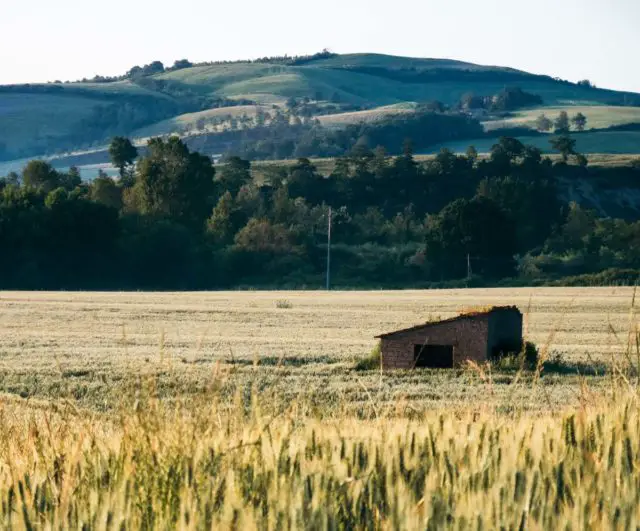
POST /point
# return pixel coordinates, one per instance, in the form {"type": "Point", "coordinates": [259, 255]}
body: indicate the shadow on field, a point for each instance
{"type": "Point", "coordinates": [560, 367]}
{"type": "Point", "coordinates": [288, 361]}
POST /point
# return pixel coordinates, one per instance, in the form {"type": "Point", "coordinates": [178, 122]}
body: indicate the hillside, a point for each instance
{"type": "Point", "coordinates": [376, 80]}
{"type": "Point", "coordinates": [44, 119]}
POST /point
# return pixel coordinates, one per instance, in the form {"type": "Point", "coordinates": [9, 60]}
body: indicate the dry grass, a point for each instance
{"type": "Point", "coordinates": [367, 116]}
{"type": "Point", "coordinates": [228, 410]}
{"type": "Point", "coordinates": [211, 465]}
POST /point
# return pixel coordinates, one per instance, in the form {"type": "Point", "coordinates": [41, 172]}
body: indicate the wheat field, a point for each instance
{"type": "Point", "coordinates": [243, 411]}
{"type": "Point", "coordinates": [91, 345]}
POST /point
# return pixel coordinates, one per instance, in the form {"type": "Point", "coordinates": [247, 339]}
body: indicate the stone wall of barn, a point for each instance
{"type": "Point", "coordinates": [468, 337]}
{"type": "Point", "coordinates": [505, 332]}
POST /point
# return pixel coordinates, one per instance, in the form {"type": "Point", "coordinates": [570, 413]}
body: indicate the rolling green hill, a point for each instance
{"type": "Point", "coordinates": [44, 119]}
{"type": "Point", "coordinates": [377, 80]}
{"type": "Point", "coordinates": [41, 119]}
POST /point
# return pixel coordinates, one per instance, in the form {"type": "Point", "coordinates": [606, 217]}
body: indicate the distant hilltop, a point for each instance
{"type": "Point", "coordinates": [42, 119]}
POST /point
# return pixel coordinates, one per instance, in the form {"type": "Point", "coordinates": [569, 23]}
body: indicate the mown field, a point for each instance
{"type": "Point", "coordinates": [185, 124]}
{"type": "Point", "coordinates": [598, 116]}
{"type": "Point", "coordinates": [244, 411]}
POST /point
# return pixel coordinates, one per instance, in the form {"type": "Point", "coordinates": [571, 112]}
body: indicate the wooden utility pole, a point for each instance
{"type": "Point", "coordinates": [329, 251]}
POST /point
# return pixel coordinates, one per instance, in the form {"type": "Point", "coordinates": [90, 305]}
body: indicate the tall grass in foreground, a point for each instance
{"type": "Point", "coordinates": [197, 466]}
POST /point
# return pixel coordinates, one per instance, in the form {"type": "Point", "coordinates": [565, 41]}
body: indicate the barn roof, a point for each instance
{"type": "Point", "coordinates": [461, 317]}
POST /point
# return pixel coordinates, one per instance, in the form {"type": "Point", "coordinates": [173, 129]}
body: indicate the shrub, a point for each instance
{"type": "Point", "coordinates": [526, 359]}
{"type": "Point", "coordinates": [372, 361]}
{"type": "Point", "coordinates": [284, 304]}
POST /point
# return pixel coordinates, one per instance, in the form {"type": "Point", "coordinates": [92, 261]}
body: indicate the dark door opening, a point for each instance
{"type": "Point", "coordinates": [433, 356]}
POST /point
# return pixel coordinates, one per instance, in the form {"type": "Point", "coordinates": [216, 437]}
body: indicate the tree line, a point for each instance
{"type": "Point", "coordinates": [173, 220]}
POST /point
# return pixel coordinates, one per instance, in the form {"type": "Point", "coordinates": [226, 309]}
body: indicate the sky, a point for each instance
{"type": "Point", "coordinates": [46, 40]}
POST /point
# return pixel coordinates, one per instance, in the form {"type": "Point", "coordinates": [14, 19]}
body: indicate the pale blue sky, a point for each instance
{"type": "Point", "coordinates": [43, 40]}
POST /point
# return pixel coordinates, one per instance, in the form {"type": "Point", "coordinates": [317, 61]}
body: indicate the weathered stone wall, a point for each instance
{"type": "Point", "coordinates": [468, 337]}
{"type": "Point", "coordinates": [505, 331]}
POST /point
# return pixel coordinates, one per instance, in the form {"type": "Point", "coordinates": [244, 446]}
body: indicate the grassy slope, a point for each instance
{"type": "Point", "coordinates": [189, 120]}
{"type": "Point", "coordinates": [27, 117]}
{"type": "Point", "coordinates": [333, 76]}
{"type": "Point", "coordinates": [598, 116]}
{"type": "Point", "coordinates": [371, 115]}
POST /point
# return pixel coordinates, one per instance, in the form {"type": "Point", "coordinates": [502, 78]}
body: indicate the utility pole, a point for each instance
{"type": "Point", "coordinates": [329, 252]}
{"type": "Point", "coordinates": [468, 267]}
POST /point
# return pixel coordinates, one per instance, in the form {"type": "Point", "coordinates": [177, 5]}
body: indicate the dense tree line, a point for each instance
{"type": "Point", "coordinates": [508, 99]}
{"type": "Point", "coordinates": [284, 138]}
{"type": "Point", "coordinates": [174, 221]}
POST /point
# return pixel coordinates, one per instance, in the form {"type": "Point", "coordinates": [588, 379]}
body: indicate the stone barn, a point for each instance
{"type": "Point", "coordinates": [478, 337]}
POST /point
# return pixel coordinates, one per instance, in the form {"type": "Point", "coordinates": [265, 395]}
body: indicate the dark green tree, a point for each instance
{"type": "Point", "coordinates": [181, 63]}
{"type": "Point", "coordinates": [233, 175]}
{"type": "Point", "coordinates": [123, 153]}
{"type": "Point", "coordinates": [565, 145]}
{"type": "Point", "coordinates": [105, 190]}
{"type": "Point", "coordinates": [220, 225]}
{"type": "Point", "coordinates": [174, 183]}
{"type": "Point", "coordinates": [561, 123]}
{"type": "Point", "coordinates": [475, 231]}
{"type": "Point", "coordinates": [40, 174]}
{"type": "Point", "coordinates": [579, 121]}
{"type": "Point", "coordinates": [531, 203]}
{"type": "Point", "coordinates": [543, 123]}
{"type": "Point", "coordinates": [71, 179]}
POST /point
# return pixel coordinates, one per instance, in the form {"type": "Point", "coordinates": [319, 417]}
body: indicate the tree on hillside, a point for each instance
{"type": "Point", "coordinates": [562, 123]}
{"type": "Point", "coordinates": [579, 121]}
{"type": "Point", "coordinates": [235, 173]}
{"type": "Point", "coordinates": [122, 153]}
{"type": "Point", "coordinates": [514, 98]}
{"type": "Point", "coordinates": [585, 83]}
{"type": "Point", "coordinates": [565, 145]}
{"type": "Point", "coordinates": [181, 63]}
{"type": "Point", "coordinates": [174, 183]}
{"type": "Point", "coordinates": [156, 67]}
{"type": "Point", "coordinates": [40, 174]}
{"type": "Point", "coordinates": [543, 123]}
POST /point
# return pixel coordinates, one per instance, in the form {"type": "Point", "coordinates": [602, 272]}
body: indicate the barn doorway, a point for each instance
{"type": "Point", "coordinates": [433, 356]}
